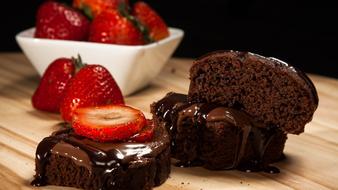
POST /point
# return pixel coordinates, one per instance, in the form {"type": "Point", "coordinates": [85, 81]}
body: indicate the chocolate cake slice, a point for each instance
{"type": "Point", "coordinates": [238, 112]}
{"type": "Point", "coordinates": [66, 159]}
{"type": "Point", "coordinates": [271, 91]}
{"type": "Point", "coordinates": [217, 137]}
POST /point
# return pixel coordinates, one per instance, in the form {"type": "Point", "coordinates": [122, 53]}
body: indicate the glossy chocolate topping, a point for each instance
{"type": "Point", "coordinates": [78, 156]}
{"type": "Point", "coordinates": [104, 158]}
{"type": "Point", "coordinates": [174, 109]}
{"type": "Point", "coordinates": [169, 105]}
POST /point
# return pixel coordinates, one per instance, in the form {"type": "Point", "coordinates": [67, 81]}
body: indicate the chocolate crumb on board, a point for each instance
{"type": "Point", "coordinates": [173, 70]}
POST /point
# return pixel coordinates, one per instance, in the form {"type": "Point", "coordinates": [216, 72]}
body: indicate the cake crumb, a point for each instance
{"type": "Point", "coordinates": [182, 183]}
{"type": "Point", "coordinates": [173, 70]}
{"type": "Point", "coordinates": [241, 182]}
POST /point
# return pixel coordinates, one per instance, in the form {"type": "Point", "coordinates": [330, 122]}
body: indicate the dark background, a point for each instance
{"type": "Point", "coordinates": [303, 33]}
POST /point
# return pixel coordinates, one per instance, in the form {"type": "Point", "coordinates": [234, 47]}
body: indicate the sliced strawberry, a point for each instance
{"type": "Point", "coordinates": [146, 133]}
{"type": "Point", "coordinates": [108, 123]}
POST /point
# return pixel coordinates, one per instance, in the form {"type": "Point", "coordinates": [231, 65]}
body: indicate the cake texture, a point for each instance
{"type": "Point", "coordinates": [217, 137]}
{"type": "Point", "coordinates": [271, 91]}
{"type": "Point", "coordinates": [238, 111]}
{"type": "Point", "coordinates": [66, 159]}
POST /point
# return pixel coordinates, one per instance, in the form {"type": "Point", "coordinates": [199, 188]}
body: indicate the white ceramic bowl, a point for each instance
{"type": "Point", "coordinates": [133, 67]}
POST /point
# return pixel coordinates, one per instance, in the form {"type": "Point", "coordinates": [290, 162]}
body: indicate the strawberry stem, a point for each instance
{"type": "Point", "coordinates": [78, 63]}
{"type": "Point", "coordinates": [123, 9]}
{"type": "Point", "coordinates": [87, 11]}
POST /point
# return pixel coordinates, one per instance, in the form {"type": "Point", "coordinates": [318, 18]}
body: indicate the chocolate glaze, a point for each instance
{"type": "Point", "coordinates": [167, 106]}
{"type": "Point", "coordinates": [101, 158]}
{"type": "Point", "coordinates": [260, 139]}
{"type": "Point", "coordinates": [174, 108]}
{"type": "Point", "coordinates": [42, 155]}
{"type": "Point", "coordinates": [244, 126]}
{"type": "Point", "coordinates": [168, 109]}
{"type": "Point", "coordinates": [78, 156]}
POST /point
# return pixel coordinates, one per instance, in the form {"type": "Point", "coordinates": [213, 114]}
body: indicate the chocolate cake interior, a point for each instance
{"type": "Point", "coordinates": [268, 89]}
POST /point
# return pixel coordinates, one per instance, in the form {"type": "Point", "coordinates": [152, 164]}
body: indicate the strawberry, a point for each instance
{"type": "Point", "coordinates": [148, 17]}
{"type": "Point", "coordinates": [93, 85]}
{"type": "Point", "coordinates": [145, 134]}
{"type": "Point", "coordinates": [108, 123]}
{"type": "Point", "coordinates": [112, 27]}
{"type": "Point", "coordinates": [49, 93]}
{"type": "Point", "coordinates": [58, 21]}
{"type": "Point", "coordinates": [94, 7]}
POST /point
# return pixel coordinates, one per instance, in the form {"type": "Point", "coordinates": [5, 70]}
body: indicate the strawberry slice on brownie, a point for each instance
{"type": "Point", "coordinates": [108, 123]}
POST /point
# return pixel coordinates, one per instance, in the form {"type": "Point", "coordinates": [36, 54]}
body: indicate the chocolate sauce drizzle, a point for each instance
{"type": "Point", "coordinates": [247, 132]}
{"type": "Point", "coordinates": [168, 109]}
{"type": "Point", "coordinates": [105, 158]}
{"type": "Point", "coordinates": [42, 155]}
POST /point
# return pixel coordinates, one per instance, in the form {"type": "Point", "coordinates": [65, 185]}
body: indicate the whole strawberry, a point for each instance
{"type": "Point", "coordinates": [148, 17]}
{"type": "Point", "coordinates": [49, 93]}
{"type": "Point", "coordinates": [93, 85]}
{"type": "Point", "coordinates": [58, 21]}
{"type": "Point", "coordinates": [111, 27]}
{"type": "Point", "coordinates": [95, 7]}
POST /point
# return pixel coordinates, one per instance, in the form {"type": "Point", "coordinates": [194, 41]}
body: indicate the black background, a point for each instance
{"type": "Point", "coordinates": [303, 33]}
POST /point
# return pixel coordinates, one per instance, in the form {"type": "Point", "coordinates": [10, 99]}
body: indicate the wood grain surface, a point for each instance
{"type": "Point", "coordinates": [312, 157]}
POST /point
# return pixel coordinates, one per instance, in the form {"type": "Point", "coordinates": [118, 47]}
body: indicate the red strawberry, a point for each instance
{"type": "Point", "coordinates": [93, 85]}
{"type": "Point", "coordinates": [112, 27]}
{"type": "Point", "coordinates": [108, 123]}
{"type": "Point", "coordinates": [49, 93]}
{"type": "Point", "coordinates": [145, 134]}
{"type": "Point", "coordinates": [95, 7]}
{"type": "Point", "coordinates": [157, 28]}
{"type": "Point", "coordinates": [58, 21]}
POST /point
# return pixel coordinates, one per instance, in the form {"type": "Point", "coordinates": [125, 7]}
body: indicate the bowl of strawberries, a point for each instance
{"type": "Point", "coordinates": [131, 40]}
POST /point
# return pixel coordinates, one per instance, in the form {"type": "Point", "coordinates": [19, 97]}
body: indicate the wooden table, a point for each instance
{"type": "Point", "coordinates": [312, 157]}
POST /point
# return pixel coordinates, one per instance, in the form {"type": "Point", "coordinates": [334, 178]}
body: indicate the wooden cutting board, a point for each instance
{"type": "Point", "coordinates": [312, 157]}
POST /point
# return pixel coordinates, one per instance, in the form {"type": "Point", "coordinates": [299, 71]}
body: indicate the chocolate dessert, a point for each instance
{"type": "Point", "coordinates": [238, 112]}
{"type": "Point", "coordinates": [270, 90]}
{"type": "Point", "coordinates": [217, 137]}
{"type": "Point", "coordinates": [67, 159]}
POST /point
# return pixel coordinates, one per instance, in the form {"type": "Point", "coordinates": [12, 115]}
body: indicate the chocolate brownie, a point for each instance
{"type": "Point", "coordinates": [66, 159]}
{"type": "Point", "coordinates": [217, 137]}
{"type": "Point", "coordinates": [271, 91]}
